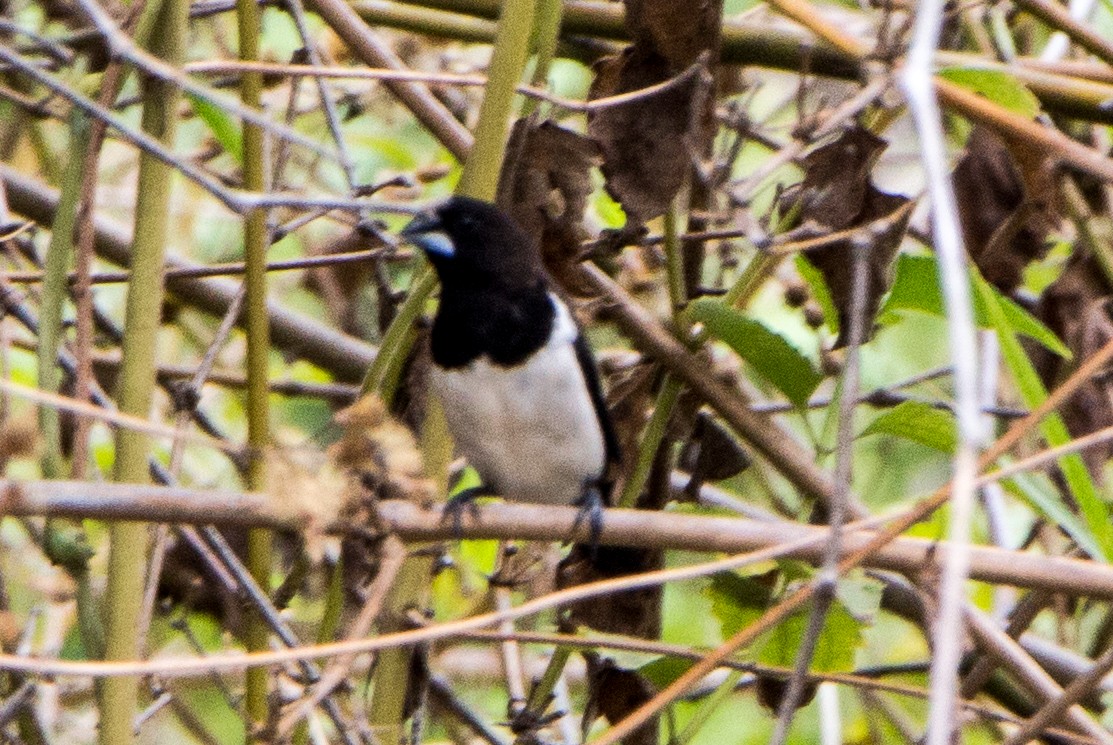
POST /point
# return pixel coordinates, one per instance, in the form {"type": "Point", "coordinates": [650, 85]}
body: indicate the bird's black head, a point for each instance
{"type": "Point", "coordinates": [471, 242]}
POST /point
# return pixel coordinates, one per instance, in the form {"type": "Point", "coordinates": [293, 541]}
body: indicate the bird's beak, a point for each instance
{"type": "Point", "coordinates": [427, 233]}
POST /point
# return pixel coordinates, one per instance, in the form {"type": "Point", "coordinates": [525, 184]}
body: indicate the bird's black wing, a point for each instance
{"type": "Point", "coordinates": [595, 390]}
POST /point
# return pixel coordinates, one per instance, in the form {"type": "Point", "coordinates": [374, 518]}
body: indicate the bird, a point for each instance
{"type": "Point", "coordinates": [518, 382]}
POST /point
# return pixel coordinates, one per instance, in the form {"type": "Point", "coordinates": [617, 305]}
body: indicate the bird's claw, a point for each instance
{"type": "Point", "coordinates": [454, 509]}
{"type": "Point", "coordinates": [591, 509]}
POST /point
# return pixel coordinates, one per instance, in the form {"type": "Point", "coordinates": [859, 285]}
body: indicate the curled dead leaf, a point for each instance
{"type": "Point", "coordinates": [1004, 197]}
{"type": "Point", "coordinates": [648, 145]}
{"type": "Point", "coordinates": [545, 184]}
{"type": "Point", "coordinates": [838, 194]}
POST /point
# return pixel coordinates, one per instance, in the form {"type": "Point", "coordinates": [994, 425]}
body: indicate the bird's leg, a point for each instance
{"type": "Point", "coordinates": [464, 500]}
{"type": "Point", "coordinates": [591, 509]}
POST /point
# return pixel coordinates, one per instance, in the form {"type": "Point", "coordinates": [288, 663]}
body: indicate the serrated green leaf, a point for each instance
{"type": "Point", "coordinates": [918, 422]}
{"type": "Point", "coordinates": [834, 650]}
{"type": "Point", "coordinates": [998, 86]}
{"type": "Point", "coordinates": [225, 129]}
{"type": "Point", "coordinates": [766, 351]}
{"type": "Point", "coordinates": [916, 287]}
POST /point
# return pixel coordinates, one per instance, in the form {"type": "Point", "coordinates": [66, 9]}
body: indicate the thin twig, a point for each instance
{"type": "Point", "coordinates": [1030, 674]}
{"type": "Point", "coordinates": [319, 71]}
{"type": "Point", "coordinates": [1050, 712]}
{"type": "Point", "coordinates": [392, 554]}
{"type": "Point", "coordinates": [916, 80]}
{"type": "Point", "coordinates": [827, 580]}
{"type": "Point", "coordinates": [223, 270]}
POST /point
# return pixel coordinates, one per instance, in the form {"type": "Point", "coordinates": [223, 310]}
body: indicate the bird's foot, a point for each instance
{"type": "Point", "coordinates": [464, 500]}
{"type": "Point", "coordinates": [591, 510]}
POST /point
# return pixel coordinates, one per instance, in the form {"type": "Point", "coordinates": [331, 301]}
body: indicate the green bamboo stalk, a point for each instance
{"type": "Point", "coordinates": [480, 178]}
{"type": "Point", "coordinates": [259, 541]}
{"type": "Point", "coordinates": [546, 37]}
{"type": "Point", "coordinates": [127, 558]}
{"type": "Point", "coordinates": [654, 433]}
{"type": "Point", "coordinates": [392, 669]}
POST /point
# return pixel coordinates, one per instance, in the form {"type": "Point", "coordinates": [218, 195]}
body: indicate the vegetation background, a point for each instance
{"type": "Point", "coordinates": [829, 318]}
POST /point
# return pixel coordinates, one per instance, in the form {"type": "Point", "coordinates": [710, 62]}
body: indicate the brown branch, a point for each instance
{"type": "Point", "coordinates": [510, 520]}
{"type": "Point", "coordinates": [344, 21]}
{"type": "Point", "coordinates": [1057, 17]}
{"type": "Point", "coordinates": [1050, 712]}
{"type": "Point", "coordinates": [1009, 653]}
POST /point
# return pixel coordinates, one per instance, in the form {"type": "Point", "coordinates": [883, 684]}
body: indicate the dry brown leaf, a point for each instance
{"type": "Point", "coordinates": [1077, 308]}
{"type": "Point", "coordinates": [545, 185]}
{"type": "Point", "coordinates": [837, 194]}
{"type": "Point", "coordinates": [616, 693]}
{"type": "Point", "coordinates": [1003, 200]}
{"type": "Point", "coordinates": [648, 145]}
{"type": "Point", "coordinates": [634, 613]}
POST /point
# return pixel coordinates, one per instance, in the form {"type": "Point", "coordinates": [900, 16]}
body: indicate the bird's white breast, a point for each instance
{"type": "Point", "coordinates": [531, 431]}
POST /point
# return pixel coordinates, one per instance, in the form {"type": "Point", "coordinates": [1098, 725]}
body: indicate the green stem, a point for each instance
{"type": "Point", "coordinates": [392, 668]}
{"type": "Point", "coordinates": [674, 257]}
{"type": "Point", "coordinates": [546, 38]}
{"type": "Point", "coordinates": [707, 707]}
{"type": "Point", "coordinates": [541, 694]}
{"type": "Point", "coordinates": [59, 259]}
{"type": "Point", "coordinates": [259, 541]}
{"type": "Point", "coordinates": [654, 433]}
{"type": "Point", "coordinates": [480, 178]}
{"type": "Point", "coordinates": [382, 376]}
{"type": "Point", "coordinates": [127, 558]}
{"type": "Point", "coordinates": [64, 541]}
{"type": "Point", "coordinates": [326, 631]}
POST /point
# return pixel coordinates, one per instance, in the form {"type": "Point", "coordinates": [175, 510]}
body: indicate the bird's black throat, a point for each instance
{"type": "Point", "coordinates": [506, 326]}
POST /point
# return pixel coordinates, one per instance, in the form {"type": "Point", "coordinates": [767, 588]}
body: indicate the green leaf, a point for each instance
{"type": "Point", "coordinates": [737, 601]}
{"type": "Point", "coordinates": [820, 291]}
{"type": "Point", "coordinates": [860, 594]}
{"type": "Point", "coordinates": [225, 129]}
{"type": "Point", "coordinates": [918, 422]}
{"type": "Point", "coordinates": [1046, 501]}
{"type": "Point", "coordinates": [1023, 322]}
{"type": "Point", "coordinates": [1094, 511]}
{"type": "Point", "coordinates": [768, 352]}
{"type": "Point", "coordinates": [916, 287]}
{"type": "Point", "coordinates": [662, 671]}
{"type": "Point", "coordinates": [834, 651]}
{"type": "Point", "coordinates": [999, 87]}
